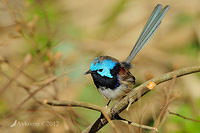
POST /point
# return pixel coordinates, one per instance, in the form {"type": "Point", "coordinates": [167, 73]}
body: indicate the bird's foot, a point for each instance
{"type": "Point", "coordinates": [112, 109]}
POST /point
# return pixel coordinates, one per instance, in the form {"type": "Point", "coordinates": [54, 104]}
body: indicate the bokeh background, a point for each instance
{"type": "Point", "coordinates": [47, 45]}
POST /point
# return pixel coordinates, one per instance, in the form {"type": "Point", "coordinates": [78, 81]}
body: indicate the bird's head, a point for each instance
{"type": "Point", "coordinates": [104, 66]}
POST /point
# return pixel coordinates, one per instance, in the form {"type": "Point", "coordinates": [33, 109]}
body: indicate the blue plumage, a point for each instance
{"type": "Point", "coordinates": [103, 67]}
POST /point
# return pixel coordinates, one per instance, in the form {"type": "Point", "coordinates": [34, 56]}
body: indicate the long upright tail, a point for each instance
{"type": "Point", "coordinates": [149, 29]}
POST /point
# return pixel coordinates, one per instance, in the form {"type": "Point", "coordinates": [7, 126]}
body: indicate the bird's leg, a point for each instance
{"type": "Point", "coordinates": [108, 103]}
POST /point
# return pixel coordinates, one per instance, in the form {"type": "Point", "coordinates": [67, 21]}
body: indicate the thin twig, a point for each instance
{"type": "Point", "coordinates": [167, 101]}
{"type": "Point", "coordinates": [75, 104]}
{"type": "Point", "coordinates": [187, 118]}
{"type": "Point", "coordinates": [103, 110]}
{"type": "Point", "coordinates": [11, 10]}
{"type": "Point", "coordinates": [21, 85]}
{"type": "Point", "coordinates": [140, 125]}
{"type": "Point", "coordinates": [13, 66]}
{"type": "Point", "coordinates": [46, 19]}
{"type": "Point", "coordinates": [35, 92]}
{"type": "Point", "coordinates": [26, 62]}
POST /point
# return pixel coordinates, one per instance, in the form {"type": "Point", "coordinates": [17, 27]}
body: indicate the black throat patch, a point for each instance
{"type": "Point", "coordinates": [103, 81]}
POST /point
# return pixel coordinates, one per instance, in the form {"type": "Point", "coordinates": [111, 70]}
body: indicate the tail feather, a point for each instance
{"type": "Point", "coordinates": [151, 26]}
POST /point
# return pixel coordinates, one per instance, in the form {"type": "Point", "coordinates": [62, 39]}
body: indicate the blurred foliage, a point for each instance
{"type": "Point", "coordinates": [190, 49]}
{"type": "Point", "coordinates": [184, 19]}
{"type": "Point", "coordinates": [43, 21]}
{"type": "Point", "coordinates": [115, 12]}
{"type": "Point", "coordinates": [4, 108]}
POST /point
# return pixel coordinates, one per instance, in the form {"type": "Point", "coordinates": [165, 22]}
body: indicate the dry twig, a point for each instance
{"type": "Point", "coordinates": [183, 116]}
{"type": "Point", "coordinates": [27, 61]}
{"type": "Point", "coordinates": [167, 101]}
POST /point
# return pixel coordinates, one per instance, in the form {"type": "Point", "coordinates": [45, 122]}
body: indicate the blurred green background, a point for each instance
{"type": "Point", "coordinates": [41, 39]}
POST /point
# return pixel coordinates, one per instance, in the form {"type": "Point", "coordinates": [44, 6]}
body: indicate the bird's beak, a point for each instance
{"type": "Point", "coordinates": [88, 72]}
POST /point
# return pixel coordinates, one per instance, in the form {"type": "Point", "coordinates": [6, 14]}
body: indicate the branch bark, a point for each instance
{"type": "Point", "coordinates": [75, 104]}
{"type": "Point", "coordinates": [132, 97]}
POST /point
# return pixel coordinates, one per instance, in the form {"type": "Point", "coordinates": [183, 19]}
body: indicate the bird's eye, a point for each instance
{"type": "Point", "coordinates": [100, 70]}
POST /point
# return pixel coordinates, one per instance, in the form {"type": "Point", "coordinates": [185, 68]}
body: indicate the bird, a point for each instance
{"type": "Point", "coordinates": [113, 78]}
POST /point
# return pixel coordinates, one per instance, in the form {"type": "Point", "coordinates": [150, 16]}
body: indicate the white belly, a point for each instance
{"type": "Point", "coordinates": [115, 94]}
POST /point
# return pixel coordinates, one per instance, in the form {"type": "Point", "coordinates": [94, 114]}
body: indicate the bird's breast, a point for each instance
{"type": "Point", "coordinates": [115, 94]}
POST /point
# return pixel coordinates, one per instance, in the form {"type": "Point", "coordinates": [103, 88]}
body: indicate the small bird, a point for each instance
{"type": "Point", "coordinates": [112, 77]}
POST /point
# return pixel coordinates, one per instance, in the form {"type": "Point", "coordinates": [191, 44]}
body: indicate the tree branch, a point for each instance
{"type": "Point", "coordinates": [76, 104]}
{"type": "Point", "coordinates": [132, 97]}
